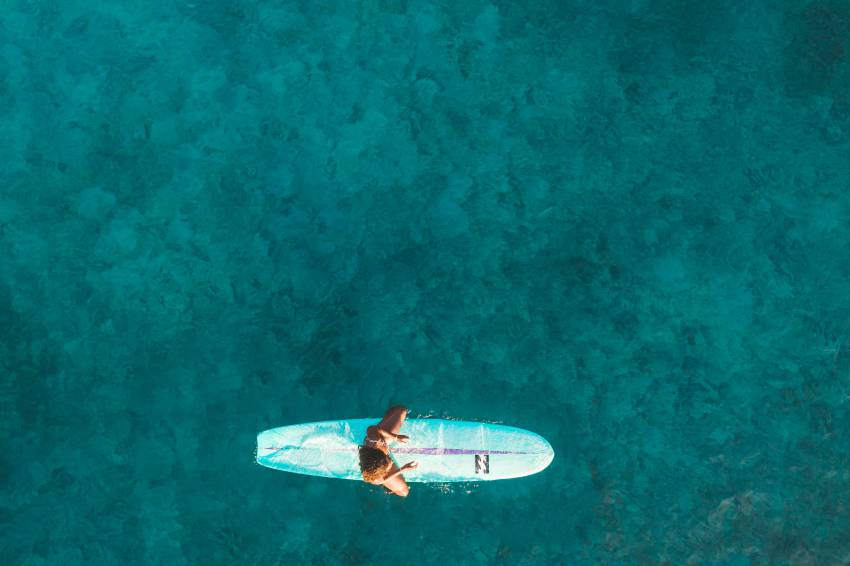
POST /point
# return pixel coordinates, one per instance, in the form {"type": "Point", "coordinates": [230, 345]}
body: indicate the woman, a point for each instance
{"type": "Point", "coordinates": [376, 464]}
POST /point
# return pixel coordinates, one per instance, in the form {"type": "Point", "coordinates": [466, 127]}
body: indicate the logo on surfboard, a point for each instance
{"type": "Point", "coordinates": [482, 463]}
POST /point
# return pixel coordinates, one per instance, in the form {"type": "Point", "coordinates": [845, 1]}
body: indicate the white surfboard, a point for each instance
{"type": "Point", "coordinates": [447, 451]}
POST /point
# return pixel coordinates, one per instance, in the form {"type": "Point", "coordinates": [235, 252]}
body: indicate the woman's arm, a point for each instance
{"type": "Point", "coordinates": [384, 435]}
{"type": "Point", "coordinates": [391, 476]}
{"type": "Point", "coordinates": [408, 466]}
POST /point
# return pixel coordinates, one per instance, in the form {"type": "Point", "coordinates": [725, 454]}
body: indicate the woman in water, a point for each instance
{"type": "Point", "coordinates": [375, 462]}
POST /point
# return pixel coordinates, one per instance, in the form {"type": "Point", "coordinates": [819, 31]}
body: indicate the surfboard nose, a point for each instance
{"type": "Point", "coordinates": [546, 454]}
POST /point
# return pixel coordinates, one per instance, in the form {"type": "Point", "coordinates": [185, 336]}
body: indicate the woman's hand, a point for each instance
{"type": "Point", "coordinates": [410, 466]}
{"type": "Point", "coordinates": [402, 438]}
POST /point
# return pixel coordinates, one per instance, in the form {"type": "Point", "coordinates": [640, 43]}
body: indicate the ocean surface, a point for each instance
{"type": "Point", "coordinates": [622, 225]}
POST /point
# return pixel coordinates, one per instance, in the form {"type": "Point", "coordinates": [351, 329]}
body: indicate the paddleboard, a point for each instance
{"type": "Point", "coordinates": [447, 451]}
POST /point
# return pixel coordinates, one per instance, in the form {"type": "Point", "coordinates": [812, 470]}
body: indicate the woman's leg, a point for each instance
{"type": "Point", "coordinates": [393, 419]}
{"type": "Point", "coordinates": [397, 484]}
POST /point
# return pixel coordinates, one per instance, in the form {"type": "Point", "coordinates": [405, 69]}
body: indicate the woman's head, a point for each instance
{"type": "Point", "coordinates": [374, 464]}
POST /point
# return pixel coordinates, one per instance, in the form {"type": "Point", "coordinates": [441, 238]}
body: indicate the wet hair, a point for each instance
{"type": "Point", "coordinates": [373, 464]}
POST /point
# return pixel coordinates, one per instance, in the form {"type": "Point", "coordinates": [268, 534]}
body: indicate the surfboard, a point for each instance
{"type": "Point", "coordinates": [447, 451]}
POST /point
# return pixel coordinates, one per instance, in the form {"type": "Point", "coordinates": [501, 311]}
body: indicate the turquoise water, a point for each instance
{"type": "Point", "coordinates": [624, 227]}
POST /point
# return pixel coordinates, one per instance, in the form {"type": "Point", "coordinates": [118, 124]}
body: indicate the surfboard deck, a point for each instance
{"type": "Point", "coordinates": [447, 451]}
